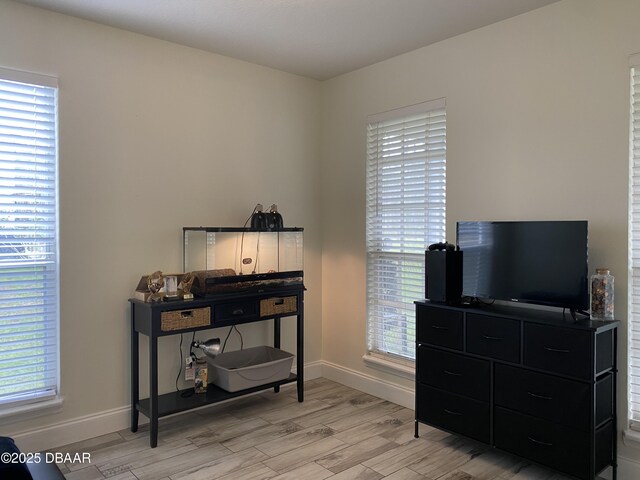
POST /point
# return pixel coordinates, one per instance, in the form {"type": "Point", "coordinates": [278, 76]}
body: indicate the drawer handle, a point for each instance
{"type": "Point", "coordinates": [237, 311]}
{"type": "Point", "coordinates": [458, 414]}
{"type": "Point", "coordinates": [187, 314]}
{"type": "Point", "coordinates": [546, 444]}
{"type": "Point", "coordinates": [542, 397]}
{"type": "Point", "coordinates": [439, 327]}
{"type": "Point", "coordinates": [489, 337]}
{"type": "Point", "coordinates": [279, 301]}
{"type": "Point", "coordinates": [556, 350]}
{"type": "Point", "coordinates": [453, 374]}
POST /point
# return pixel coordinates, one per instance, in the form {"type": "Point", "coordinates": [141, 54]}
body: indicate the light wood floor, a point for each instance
{"type": "Point", "coordinates": [337, 433]}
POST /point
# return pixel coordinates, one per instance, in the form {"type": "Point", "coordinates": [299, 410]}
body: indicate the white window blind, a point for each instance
{"type": "Point", "coordinates": [634, 248]}
{"type": "Point", "coordinates": [28, 238]}
{"type": "Point", "coordinates": [406, 159]}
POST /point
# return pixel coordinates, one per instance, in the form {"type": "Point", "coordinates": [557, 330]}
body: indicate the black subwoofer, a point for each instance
{"type": "Point", "coordinates": [443, 279]}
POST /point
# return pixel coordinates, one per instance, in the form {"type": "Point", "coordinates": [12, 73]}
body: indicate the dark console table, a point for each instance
{"type": "Point", "coordinates": [170, 318]}
{"type": "Point", "coordinates": [529, 382]}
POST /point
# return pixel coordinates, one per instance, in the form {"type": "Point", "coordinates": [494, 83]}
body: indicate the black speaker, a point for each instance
{"type": "Point", "coordinates": [443, 279]}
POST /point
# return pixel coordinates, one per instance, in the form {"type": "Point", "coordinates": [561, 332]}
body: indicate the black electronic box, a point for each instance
{"type": "Point", "coordinates": [443, 278]}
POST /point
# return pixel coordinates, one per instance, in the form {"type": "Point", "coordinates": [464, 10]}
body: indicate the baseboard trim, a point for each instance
{"type": "Point", "coordinates": [97, 424]}
{"type": "Point", "coordinates": [312, 370]}
{"type": "Point", "coordinates": [369, 384]}
{"type": "Point", "coordinates": [628, 469]}
{"type": "Point", "coordinates": [75, 430]}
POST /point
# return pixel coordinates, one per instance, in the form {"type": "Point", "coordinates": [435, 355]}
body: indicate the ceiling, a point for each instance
{"type": "Point", "coordinates": [315, 38]}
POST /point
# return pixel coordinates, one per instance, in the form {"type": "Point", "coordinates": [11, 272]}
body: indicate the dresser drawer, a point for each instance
{"type": "Point", "coordinates": [453, 412]}
{"type": "Point", "coordinates": [493, 337]}
{"type": "Point", "coordinates": [233, 312]}
{"type": "Point", "coordinates": [439, 326]}
{"type": "Point", "coordinates": [548, 443]}
{"type": "Point", "coordinates": [604, 351]}
{"type": "Point", "coordinates": [605, 438]}
{"type": "Point", "coordinates": [545, 396]}
{"type": "Point", "coordinates": [454, 373]}
{"type": "Point", "coordinates": [604, 399]}
{"type": "Point", "coordinates": [557, 349]}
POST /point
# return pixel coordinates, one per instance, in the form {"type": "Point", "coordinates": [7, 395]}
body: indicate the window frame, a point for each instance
{"type": "Point", "coordinates": [39, 401]}
{"type": "Point", "coordinates": [375, 356]}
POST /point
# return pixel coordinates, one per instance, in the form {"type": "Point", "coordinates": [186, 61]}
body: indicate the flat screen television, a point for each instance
{"type": "Point", "coordinates": [543, 262]}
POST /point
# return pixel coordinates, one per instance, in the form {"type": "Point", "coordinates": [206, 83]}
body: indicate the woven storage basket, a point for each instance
{"type": "Point", "coordinates": [180, 319]}
{"type": "Point", "coordinates": [278, 305]}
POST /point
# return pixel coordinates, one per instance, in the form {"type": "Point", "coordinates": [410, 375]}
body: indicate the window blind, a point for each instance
{"type": "Point", "coordinates": [634, 248]}
{"type": "Point", "coordinates": [28, 238]}
{"type": "Point", "coordinates": [406, 172]}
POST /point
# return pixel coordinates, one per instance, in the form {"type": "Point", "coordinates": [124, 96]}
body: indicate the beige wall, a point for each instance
{"type": "Point", "coordinates": [537, 128]}
{"type": "Point", "coordinates": [154, 137]}
{"type": "Point", "coordinates": [537, 111]}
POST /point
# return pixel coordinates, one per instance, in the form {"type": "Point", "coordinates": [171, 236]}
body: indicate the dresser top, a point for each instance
{"type": "Point", "coordinates": [556, 318]}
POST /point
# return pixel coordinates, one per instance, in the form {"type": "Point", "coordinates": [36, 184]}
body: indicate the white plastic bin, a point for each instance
{"type": "Point", "coordinates": [251, 367]}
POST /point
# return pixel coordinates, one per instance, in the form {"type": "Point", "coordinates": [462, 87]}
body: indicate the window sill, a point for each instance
{"type": "Point", "coordinates": [631, 438]}
{"type": "Point", "coordinates": [388, 366]}
{"type": "Point", "coordinates": [17, 413]}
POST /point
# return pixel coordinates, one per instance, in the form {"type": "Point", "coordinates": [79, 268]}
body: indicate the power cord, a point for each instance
{"type": "Point", "coordinates": [241, 339]}
{"type": "Point", "coordinates": [234, 327]}
{"type": "Point", "coordinates": [255, 264]}
{"type": "Point", "coordinates": [180, 363]}
{"type": "Point", "coordinates": [225, 340]}
{"type": "Point", "coordinates": [480, 302]}
{"type": "Point", "coordinates": [242, 237]}
{"type": "Point", "coordinates": [190, 391]}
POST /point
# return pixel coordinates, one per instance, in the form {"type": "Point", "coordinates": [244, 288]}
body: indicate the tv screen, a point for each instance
{"type": "Point", "coordinates": [533, 262]}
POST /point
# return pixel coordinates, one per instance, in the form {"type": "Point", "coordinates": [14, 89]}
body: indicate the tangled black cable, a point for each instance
{"type": "Point", "coordinates": [229, 334]}
{"type": "Point", "coordinates": [242, 237]}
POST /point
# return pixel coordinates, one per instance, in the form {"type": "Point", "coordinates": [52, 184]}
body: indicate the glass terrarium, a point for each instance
{"type": "Point", "coordinates": [227, 259]}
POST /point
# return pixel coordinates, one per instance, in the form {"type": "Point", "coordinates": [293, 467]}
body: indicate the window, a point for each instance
{"type": "Point", "coordinates": [28, 239]}
{"type": "Point", "coordinates": [634, 248]}
{"type": "Point", "coordinates": [406, 158]}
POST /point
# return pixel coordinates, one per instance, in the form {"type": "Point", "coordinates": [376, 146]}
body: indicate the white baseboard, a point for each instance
{"type": "Point", "coordinates": [628, 469]}
{"type": "Point", "coordinates": [94, 425]}
{"type": "Point", "coordinates": [312, 370]}
{"type": "Point", "coordinates": [75, 430]}
{"type": "Point", "coordinates": [369, 384]}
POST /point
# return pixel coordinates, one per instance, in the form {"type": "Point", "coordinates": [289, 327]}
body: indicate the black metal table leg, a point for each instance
{"type": "Point", "coordinates": [300, 350]}
{"type": "Point", "coordinates": [153, 391]}
{"type": "Point", "coordinates": [276, 341]}
{"type": "Point", "coordinates": [135, 373]}
{"type": "Point", "coordinates": [614, 466]}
